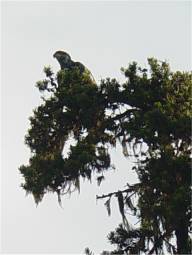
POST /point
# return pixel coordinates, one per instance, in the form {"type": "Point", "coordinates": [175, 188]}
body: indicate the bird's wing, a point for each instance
{"type": "Point", "coordinates": [80, 66]}
{"type": "Point", "coordinates": [85, 70]}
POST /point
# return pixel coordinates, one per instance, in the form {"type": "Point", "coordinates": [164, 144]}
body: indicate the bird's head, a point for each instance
{"type": "Point", "coordinates": [62, 56]}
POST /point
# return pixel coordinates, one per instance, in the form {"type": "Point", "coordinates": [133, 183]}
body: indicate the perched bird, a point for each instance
{"type": "Point", "coordinates": [67, 63]}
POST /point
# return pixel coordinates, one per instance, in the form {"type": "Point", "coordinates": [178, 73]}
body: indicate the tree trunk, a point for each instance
{"type": "Point", "coordinates": [181, 233]}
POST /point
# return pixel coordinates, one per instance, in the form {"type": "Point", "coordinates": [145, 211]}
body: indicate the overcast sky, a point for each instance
{"type": "Point", "coordinates": [104, 36]}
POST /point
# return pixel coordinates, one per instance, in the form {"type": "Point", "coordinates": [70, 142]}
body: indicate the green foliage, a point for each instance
{"type": "Point", "coordinates": [151, 108]}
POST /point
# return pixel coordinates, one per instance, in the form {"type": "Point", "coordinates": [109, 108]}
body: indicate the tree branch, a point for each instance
{"type": "Point", "coordinates": [131, 189]}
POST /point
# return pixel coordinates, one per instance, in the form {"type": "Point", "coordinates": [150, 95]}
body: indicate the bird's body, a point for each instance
{"type": "Point", "coordinates": [66, 63]}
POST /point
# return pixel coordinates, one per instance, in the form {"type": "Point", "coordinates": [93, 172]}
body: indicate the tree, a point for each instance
{"type": "Point", "coordinates": [149, 114]}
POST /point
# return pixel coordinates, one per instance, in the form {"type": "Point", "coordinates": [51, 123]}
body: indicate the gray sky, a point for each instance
{"type": "Point", "coordinates": [104, 36]}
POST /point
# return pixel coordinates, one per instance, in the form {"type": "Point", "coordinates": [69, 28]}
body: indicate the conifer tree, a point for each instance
{"type": "Point", "coordinates": [149, 114]}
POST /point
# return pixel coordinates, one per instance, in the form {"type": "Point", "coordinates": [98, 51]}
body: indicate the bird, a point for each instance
{"type": "Point", "coordinates": [66, 63]}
